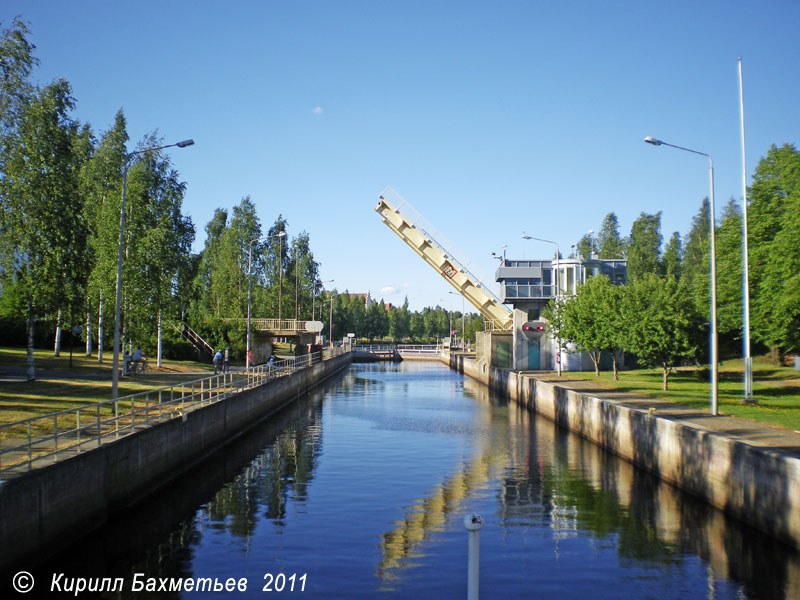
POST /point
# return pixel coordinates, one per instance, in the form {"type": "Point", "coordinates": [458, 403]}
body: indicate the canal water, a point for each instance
{"type": "Point", "coordinates": [360, 490]}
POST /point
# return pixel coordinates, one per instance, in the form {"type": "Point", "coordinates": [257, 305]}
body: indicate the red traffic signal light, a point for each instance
{"type": "Point", "coordinates": [533, 330]}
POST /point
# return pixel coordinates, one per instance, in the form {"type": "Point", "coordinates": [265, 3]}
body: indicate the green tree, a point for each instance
{"type": "Point", "coordinates": [158, 246]}
{"type": "Point", "coordinates": [555, 316]}
{"type": "Point", "coordinates": [42, 211]}
{"type": "Point", "coordinates": [376, 324]}
{"type": "Point", "coordinates": [400, 322]}
{"type": "Point", "coordinates": [584, 246]}
{"type": "Point", "coordinates": [729, 271]}
{"type": "Point", "coordinates": [773, 229]}
{"type": "Point", "coordinates": [694, 267]}
{"type": "Point", "coordinates": [609, 241]}
{"type": "Point", "coordinates": [357, 316]}
{"type": "Point", "coordinates": [418, 332]}
{"type": "Point", "coordinates": [206, 303]}
{"type": "Point", "coordinates": [657, 322]}
{"type": "Point", "coordinates": [102, 190]}
{"type": "Point", "coordinates": [672, 260]}
{"type": "Point", "coordinates": [593, 320]}
{"type": "Point", "coordinates": [474, 324]}
{"type": "Point", "coordinates": [275, 262]}
{"type": "Point", "coordinates": [643, 246]}
{"type": "Point", "coordinates": [304, 275]}
{"type": "Point", "coordinates": [16, 90]}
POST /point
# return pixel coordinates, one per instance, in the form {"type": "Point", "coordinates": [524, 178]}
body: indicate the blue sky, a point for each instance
{"type": "Point", "coordinates": [489, 118]}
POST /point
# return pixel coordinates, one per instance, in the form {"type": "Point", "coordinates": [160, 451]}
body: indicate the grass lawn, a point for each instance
{"type": "Point", "coordinates": [85, 382]}
{"type": "Point", "coordinates": [776, 389]}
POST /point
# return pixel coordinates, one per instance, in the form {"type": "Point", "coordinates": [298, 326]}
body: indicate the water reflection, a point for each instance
{"type": "Point", "coordinates": [321, 487]}
{"type": "Point", "coordinates": [572, 485]}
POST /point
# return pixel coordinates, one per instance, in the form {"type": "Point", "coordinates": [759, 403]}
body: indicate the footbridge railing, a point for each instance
{"type": "Point", "coordinates": [39, 441]}
{"type": "Point", "coordinates": [282, 326]}
{"type": "Point", "coordinates": [420, 349]}
{"type": "Point", "coordinates": [404, 350]}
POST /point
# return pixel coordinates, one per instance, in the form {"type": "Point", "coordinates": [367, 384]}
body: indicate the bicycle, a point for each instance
{"type": "Point", "coordinates": [138, 367]}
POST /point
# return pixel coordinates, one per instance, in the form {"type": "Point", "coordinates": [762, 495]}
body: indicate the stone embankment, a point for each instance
{"type": "Point", "coordinates": [47, 508]}
{"type": "Point", "coordinates": [745, 468]}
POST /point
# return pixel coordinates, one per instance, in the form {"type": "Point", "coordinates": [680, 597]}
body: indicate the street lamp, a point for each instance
{"type": "Point", "coordinates": [463, 339]}
{"type": "Point", "coordinates": [128, 157]}
{"type": "Point", "coordinates": [314, 295]}
{"type": "Point", "coordinates": [330, 321]}
{"type": "Point", "coordinates": [713, 341]}
{"type": "Point", "coordinates": [748, 361]}
{"type": "Point", "coordinates": [558, 277]}
{"type": "Point", "coordinates": [296, 286]}
{"type": "Point", "coordinates": [280, 281]}
{"type": "Point", "coordinates": [250, 287]}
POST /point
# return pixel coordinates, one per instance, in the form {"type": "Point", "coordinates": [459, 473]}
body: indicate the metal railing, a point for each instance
{"type": "Point", "coordinates": [420, 349]}
{"type": "Point", "coordinates": [275, 325]}
{"type": "Point", "coordinates": [375, 348]}
{"type": "Point", "coordinates": [65, 433]}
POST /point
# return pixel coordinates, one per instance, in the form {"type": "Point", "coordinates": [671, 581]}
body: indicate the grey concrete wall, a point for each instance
{"type": "Point", "coordinates": [761, 486]}
{"type": "Point", "coordinates": [48, 507]}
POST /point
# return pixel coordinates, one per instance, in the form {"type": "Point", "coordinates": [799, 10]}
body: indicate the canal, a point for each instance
{"type": "Point", "coordinates": [360, 489]}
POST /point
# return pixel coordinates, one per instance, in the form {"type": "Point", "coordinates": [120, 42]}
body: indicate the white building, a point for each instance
{"type": "Point", "coordinates": [529, 285]}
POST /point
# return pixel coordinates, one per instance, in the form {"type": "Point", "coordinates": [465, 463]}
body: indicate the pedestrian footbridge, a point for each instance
{"type": "Point", "coordinates": [396, 352]}
{"type": "Point", "coordinates": [284, 327]}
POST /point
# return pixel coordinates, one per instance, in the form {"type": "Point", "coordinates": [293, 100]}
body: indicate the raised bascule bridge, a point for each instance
{"type": "Point", "coordinates": [503, 342]}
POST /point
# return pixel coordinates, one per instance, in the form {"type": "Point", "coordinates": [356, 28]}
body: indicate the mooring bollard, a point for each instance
{"type": "Point", "coordinates": [473, 524]}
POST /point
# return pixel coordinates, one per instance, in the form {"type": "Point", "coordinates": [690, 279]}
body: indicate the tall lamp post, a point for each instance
{"type": "Point", "coordinates": [558, 278]}
{"type": "Point", "coordinates": [712, 219]}
{"type": "Point", "coordinates": [748, 361]}
{"type": "Point", "coordinates": [296, 286]}
{"type": "Point", "coordinates": [314, 296]}
{"type": "Point", "coordinates": [128, 157]}
{"type": "Point", "coordinates": [280, 280]}
{"type": "Point", "coordinates": [250, 287]}
{"type": "Point", "coordinates": [330, 320]}
{"type": "Point", "coordinates": [463, 339]}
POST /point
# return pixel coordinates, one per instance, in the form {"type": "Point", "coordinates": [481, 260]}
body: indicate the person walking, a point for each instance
{"type": "Point", "coordinates": [217, 361]}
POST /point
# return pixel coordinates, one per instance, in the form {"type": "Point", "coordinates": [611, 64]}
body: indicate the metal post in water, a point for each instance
{"type": "Point", "coordinates": [473, 524]}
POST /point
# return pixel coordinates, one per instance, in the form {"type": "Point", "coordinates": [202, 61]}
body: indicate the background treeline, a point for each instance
{"type": "Point", "coordinates": [667, 301]}
{"type": "Point", "coordinates": [370, 320]}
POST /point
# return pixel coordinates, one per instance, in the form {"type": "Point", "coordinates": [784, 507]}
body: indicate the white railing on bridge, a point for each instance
{"type": "Point", "coordinates": [410, 349]}
{"type": "Point", "coordinates": [420, 349]}
{"type": "Point", "coordinates": [63, 434]}
{"type": "Point", "coordinates": [281, 325]}
{"type": "Point", "coordinates": [375, 348]}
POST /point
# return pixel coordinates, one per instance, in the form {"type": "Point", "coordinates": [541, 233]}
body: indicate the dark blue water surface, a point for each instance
{"type": "Point", "coordinates": [362, 488]}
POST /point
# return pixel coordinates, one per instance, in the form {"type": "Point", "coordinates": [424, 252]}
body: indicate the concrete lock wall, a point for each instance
{"type": "Point", "coordinates": [48, 507]}
{"type": "Point", "coordinates": [760, 486]}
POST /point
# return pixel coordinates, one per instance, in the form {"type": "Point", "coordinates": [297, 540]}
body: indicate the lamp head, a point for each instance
{"type": "Point", "coordinates": [185, 143]}
{"type": "Point", "coordinates": [652, 140]}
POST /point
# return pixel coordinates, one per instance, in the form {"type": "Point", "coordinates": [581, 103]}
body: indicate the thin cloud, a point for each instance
{"type": "Point", "coordinates": [391, 290]}
{"type": "Point", "coordinates": [317, 111]}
